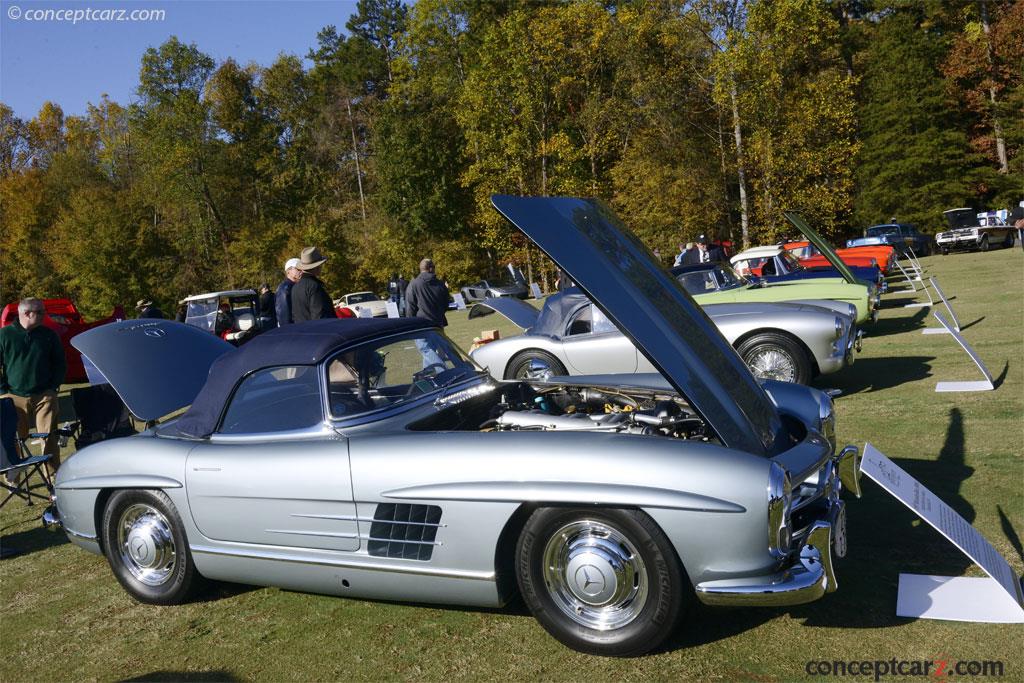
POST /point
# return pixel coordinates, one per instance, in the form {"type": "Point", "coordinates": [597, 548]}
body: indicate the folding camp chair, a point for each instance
{"type": "Point", "coordinates": [101, 415]}
{"type": "Point", "coordinates": [17, 464]}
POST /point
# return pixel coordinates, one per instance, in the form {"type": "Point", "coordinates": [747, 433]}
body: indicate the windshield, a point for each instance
{"type": "Point", "coordinates": [704, 281]}
{"type": "Point", "coordinates": [361, 298]}
{"type": "Point", "coordinates": [792, 262]}
{"type": "Point", "coordinates": [385, 373]}
{"type": "Point", "coordinates": [202, 314]}
{"type": "Point", "coordinates": [881, 230]}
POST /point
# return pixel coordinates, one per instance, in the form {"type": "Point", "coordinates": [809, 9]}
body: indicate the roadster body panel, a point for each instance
{"type": "Point", "coordinates": [370, 458]}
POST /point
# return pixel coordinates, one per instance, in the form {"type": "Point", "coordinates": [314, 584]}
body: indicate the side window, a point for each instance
{"type": "Point", "coordinates": [601, 323]}
{"type": "Point", "coordinates": [580, 322]}
{"type": "Point", "coordinates": [275, 400]}
{"type": "Point", "coordinates": [769, 267]}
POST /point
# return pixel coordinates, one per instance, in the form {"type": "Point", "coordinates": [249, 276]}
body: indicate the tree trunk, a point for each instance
{"type": "Point", "coordinates": [997, 127]}
{"type": "Point", "coordinates": [741, 169]}
{"type": "Point", "coordinates": [355, 153]}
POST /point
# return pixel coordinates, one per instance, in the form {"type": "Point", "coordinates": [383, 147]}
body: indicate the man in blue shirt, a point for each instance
{"type": "Point", "coordinates": [283, 295]}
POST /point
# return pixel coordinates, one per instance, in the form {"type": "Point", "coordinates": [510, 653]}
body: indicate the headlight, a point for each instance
{"type": "Point", "coordinates": [780, 497]}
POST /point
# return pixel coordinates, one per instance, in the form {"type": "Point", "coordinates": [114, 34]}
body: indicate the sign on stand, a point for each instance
{"type": "Point", "coordinates": [392, 309]}
{"type": "Point", "coordinates": [535, 290]}
{"type": "Point", "coordinates": [913, 287]}
{"type": "Point", "coordinates": [945, 301]}
{"type": "Point", "coordinates": [997, 599]}
{"type": "Point", "coordinates": [979, 385]}
{"type": "Point", "coordinates": [460, 303]}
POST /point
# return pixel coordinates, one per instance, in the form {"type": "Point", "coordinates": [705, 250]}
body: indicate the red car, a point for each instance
{"type": "Point", "coordinates": [63, 318]}
{"type": "Point", "coordinates": [881, 255]}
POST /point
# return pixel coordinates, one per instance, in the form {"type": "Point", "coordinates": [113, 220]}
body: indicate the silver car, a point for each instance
{"type": "Point", "coordinates": [370, 458]}
{"type": "Point", "coordinates": [569, 335]}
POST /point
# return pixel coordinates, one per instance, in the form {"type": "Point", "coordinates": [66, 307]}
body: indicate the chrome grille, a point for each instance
{"type": "Point", "coordinates": [404, 531]}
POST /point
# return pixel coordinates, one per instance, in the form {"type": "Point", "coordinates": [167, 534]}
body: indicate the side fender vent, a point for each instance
{"type": "Point", "coordinates": [404, 531]}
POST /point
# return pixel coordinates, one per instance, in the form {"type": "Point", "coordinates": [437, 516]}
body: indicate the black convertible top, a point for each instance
{"type": "Point", "coordinates": [556, 311]}
{"type": "Point", "coordinates": [305, 343]}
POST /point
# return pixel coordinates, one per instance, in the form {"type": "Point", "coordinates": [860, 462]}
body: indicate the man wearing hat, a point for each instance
{"type": "Point", "coordinates": [283, 295]}
{"type": "Point", "coordinates": [309, 298]}
{"type": "Point", "coordinates": [704, 253]}
{"type": "Point", "coordinates": [146, 309]}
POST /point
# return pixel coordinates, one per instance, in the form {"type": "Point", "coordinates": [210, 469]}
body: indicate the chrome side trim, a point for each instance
{"type": "Point", "coordinates": [78, 534]}
{"type": "Point", "coordinates": [848, 464]}
{"type": "Point", "coordinates": [565, 492]}
{"type": "Point", "coordinates": [399, 540]}
{"type": "Point", "coordinates": [120, 481]}
{"type": "Point", "coordinates": [357, 518]}
{"type": "Point", "coordinates": [281, 556]}
{"type": "Point", "coordinates": [297, 532]}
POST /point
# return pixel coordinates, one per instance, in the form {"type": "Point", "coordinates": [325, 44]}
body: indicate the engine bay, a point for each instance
{"type": "Point", "coordinates": [525, 406]}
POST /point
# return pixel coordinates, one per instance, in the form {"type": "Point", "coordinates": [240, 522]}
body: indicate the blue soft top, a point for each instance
{"type": "Point", "coordinates": [305, 343]}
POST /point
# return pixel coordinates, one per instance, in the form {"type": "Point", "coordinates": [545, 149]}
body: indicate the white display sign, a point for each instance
{"type": "Point", "coordinates": [944, 519]}
{"type": "Point", "coordinates": [945, 301]}
{"type": "Point", "coordinates": [392, 309]}
{"type": "Point", "coordinates": [955, 598]}
{"type": "Point", "coordinates": [460, 303]}
{"type": "Point", "coordinates": [535, 290]}
{"type": "Point", "coordinates": [980, 385]}
{"type": "Point", "coordinates": [364, 313]}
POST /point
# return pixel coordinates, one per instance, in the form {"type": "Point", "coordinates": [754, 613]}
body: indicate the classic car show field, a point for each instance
{"type": "Point", "coordinates": [66, 618]}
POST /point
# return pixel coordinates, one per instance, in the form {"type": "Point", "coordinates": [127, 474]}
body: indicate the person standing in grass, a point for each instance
{"type": "Point", "coordinates": [32, 368]}
{"type": "Point", "coordinates": [283, 295]}
{"type": "Point", "coordinates": [310, 300]}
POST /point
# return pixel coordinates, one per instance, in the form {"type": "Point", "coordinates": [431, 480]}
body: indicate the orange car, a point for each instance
{"type": "Point", "coordinates": [883, 256]}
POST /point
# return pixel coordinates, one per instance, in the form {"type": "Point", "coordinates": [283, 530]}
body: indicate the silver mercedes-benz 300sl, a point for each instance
{"type": "Point", "coordinates": [371, 458]}
{"type": "Point", "coordinates": [787, 342]}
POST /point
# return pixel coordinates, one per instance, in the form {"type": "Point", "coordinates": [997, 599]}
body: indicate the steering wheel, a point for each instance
{"type": "Point", "coordinates": [425, 373]}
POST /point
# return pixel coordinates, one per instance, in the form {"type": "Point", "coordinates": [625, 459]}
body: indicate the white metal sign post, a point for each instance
{"type": "Point", "coordinates": [945, 301]}
{"type": "Point", "coordinates": [913, 286]}
{"type": "Point", "coordinates": [979, 385]}
{"type": "Point", "coordinates": [997, 599]}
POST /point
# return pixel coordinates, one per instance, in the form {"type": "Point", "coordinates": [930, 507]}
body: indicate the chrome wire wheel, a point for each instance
{"type": "Point", "coordinates": [145, 544]}
{"type": "Point", "coordinates": [595, 575]}
{"type": "Point", "coordinates": [537, 368]}
{"type": "Point", "coordinates": [771, 362]}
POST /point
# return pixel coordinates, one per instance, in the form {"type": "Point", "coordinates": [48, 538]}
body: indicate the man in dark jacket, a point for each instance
{"type": "Point", "coordinates": [268, 317]}
{"type": "Point", "coordinates": [427, 297]}
{"type": "Point", "coordinates": [703, 253]}
{"type": "Point", "coordinates": [32, 368]}
{"type": "Point", "coordinates": [309, 298]}
{"type": "Point", "coordinates": [283, 295]}
{"type": "Point", "coordinates": [147, 309]}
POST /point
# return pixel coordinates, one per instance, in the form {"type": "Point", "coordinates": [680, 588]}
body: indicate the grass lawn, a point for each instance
{"type": "Point", "coordinates": [64, 617]}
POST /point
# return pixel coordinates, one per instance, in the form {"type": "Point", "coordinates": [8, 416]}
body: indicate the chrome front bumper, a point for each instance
{"type": "Point", "coordinates": [809, 574]}
{"type": "Point", "coordinates": [51, 519]}
{"type": "Point", "coordinates": [805, 580]}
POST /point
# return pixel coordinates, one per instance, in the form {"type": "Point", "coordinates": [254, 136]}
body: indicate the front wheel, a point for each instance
{"type": "Point", "coordinates": [534, 364]}
{"type": "Point", "coordinates": [603, 582]}
{"type": "Point", "coordinates": [984, 243]}
{"type": "Point", "coordinates": [771, 355]}
{"type": "Point", "coordinates": [146, 547]}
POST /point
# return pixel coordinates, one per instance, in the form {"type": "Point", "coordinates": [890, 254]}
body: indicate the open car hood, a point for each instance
{"type": "Point", "coordinates": [619, 274]}
{"type": "Point", "coordinates": [155, 366]}
{"type": "Point", "coordinates": [824, 247]}
{"type": "Point", "coordinates": [516, 311]}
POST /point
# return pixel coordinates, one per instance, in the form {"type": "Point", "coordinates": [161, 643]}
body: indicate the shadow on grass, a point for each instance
{"type": "Point", "coordinates": [185, 676]}
{"type": "Point", "coordinates": [887, 326]}
{"type": "Point", "coordinates": [875, 374]}
{"type": "Point", "coordinates": [971, 324]}
{"type": "Point", "coordinates": [1002, 375]}
{"type": "Point", "coordinates": [1011, 533]}
{"type": "Point", "coordinates": [34, 540]}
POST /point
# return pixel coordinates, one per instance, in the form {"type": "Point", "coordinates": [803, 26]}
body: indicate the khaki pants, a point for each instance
{"type": "Point", "coordinates": [42, 410]}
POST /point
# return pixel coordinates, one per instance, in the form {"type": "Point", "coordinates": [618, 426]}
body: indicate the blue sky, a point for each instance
{"type": "Point", "coordinates": [73, 62]}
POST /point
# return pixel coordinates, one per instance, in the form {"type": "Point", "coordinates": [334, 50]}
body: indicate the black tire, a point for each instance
{"type": "Point", "coordinates": [520, 364]}
{"type": "Point", "coordinates": [773, 355]}
{"type": "Point", "coordinates": [1008, 241]}
{"type": "Point", "coordinates": [984, 243]}
{"type": "Point", "coordinates": [159, 570]}
{"type": "Point", "coordinates": [648, 594]}
{"type": "Point", "coordinates": [945, 251]}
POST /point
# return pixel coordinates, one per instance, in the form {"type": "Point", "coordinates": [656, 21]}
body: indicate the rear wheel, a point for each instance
{"type": "Point", "coordinates": [771, 355]}
{"type": "Point", "coordinates": [1008, 242]}
{"type": "Point", "coordinates": [534, 364]}
{"type": "Point", "coordinates": [146, 547]}
{"type": "Point", "coordinates": [604, 582]}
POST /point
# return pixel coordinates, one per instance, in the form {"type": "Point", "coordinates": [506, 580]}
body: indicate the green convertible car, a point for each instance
{"type": "Point", "coordinates": [717, 283]}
